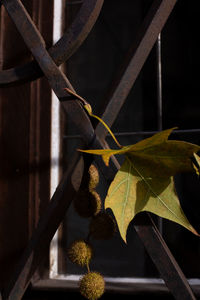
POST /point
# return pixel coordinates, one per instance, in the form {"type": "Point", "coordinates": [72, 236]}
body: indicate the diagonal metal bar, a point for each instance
{"type": "Point", "coordinates": [42, 236]}
{"type": "Point", "coordinates": [163, 260]}
{"type": "Point", "coordinates": [134, 61]}
{"type": "Point", "coordinates": [63, 49]}
{"type": "Point", "coordinates": [26, 270]}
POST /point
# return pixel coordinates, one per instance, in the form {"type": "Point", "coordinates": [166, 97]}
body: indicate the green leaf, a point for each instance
{"type": "Point", "coordinates": [145, 180]}
{"type": "Point", "coordinates": [157, 148]}
{"type": "Point", "coordinates": [136, 188]}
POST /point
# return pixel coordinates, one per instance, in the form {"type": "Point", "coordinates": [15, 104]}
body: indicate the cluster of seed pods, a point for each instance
{"type": "Point", "coordinates": [102, 226]}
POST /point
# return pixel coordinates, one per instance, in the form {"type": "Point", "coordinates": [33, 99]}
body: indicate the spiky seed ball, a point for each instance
{"type": "Point", "coordinates": [93, 177]}
{"type": "Point", "coordinates": [96, 202]}
{"type": "Point", "coordinates": [87, 203]}
{"type": "Point", "coordinates": [92, 285]}
{"type": "Point", "coordinates": [102, 226]}
{"type": "Point", "coordinates": [80, 253]}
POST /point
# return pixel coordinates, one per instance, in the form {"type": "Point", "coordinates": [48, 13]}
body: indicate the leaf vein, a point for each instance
{"type": "Point", "coordinates": [126, 196]}
{"type": "Point", "coordinates": [150, 188]}
{"type": "Point", "coordinates": [117, 187]}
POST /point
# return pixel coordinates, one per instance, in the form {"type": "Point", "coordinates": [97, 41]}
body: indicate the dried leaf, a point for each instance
{"type": "Point", "coordinates": [137, 188]}
{"type": "Point", "coordinates": [145, 180]}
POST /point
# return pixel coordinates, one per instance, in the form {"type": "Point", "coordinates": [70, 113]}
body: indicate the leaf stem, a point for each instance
{"type": "Point", "coordinates": [88, 268]}
{"type": "Point", "coordinates": [89, 110]}
{"type": "Point", "coordinates": [109, 130]}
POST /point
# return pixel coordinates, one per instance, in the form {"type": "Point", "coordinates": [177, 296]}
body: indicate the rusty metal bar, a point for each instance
{"type": "Point", "coordinates": [133, 63]}
{"type": "Point", "coordinates": [29, 261]}
{"type": "Point", "coordinates": [163, 259]}
{"type": "Point", "coordinates": [62, 50]}
{"type": "Point", "coordinates": [42, 235]}
{"type": "Point", "coordinates": [37, 46]}
{"type": "Point", "coordinates": [159, 83]}
{"type": "Point", "coordinates": [56, 77]}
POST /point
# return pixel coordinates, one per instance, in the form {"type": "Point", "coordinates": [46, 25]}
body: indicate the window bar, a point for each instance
{"type": "Point", "coordinates": [137, 133]}
{"type": "Point", "coordinates": [159, 100]}
{"type": "Point", "coordinates": [159, 82]}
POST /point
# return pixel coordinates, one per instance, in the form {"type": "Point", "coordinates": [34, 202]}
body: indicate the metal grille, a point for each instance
{"type": "Point", "coordinates": [46, 63]}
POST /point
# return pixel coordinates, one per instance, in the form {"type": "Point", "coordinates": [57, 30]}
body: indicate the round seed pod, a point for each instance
{"type": "Point", "coordinates": [87, 203]}
{"type": "Point", "coordinates": [92, 285]}
{"type": "Point", "coordinates": [93, 177]}
{"type": "Point", "coordinates": [80, 253]}
{"type": "Point", "coordinates": [102, 226]}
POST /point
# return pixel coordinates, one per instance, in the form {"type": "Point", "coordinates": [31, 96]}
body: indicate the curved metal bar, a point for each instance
{"type": "Point", "coordinates": [62, 50]}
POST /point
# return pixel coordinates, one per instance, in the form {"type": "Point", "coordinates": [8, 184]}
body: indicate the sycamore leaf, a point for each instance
{"type": "Point", "coordinates": [145, 180]}
{"type": "Point", "coordinates": [137, 188]}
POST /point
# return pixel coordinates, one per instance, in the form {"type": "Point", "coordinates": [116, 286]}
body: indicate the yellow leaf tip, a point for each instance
{"type": "Point", "coordinates": [106, 163]}
{"type": "Point", "coordinates": [125, 241]}
{"type": "Point", "coordinates": [106, 159]}
{"type": "Point", "coordinates": [172, 129]}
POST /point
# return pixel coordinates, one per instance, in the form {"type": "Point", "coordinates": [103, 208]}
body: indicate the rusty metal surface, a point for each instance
{"type": "Point", "coordinates": [42, 235]}
{"type": "Point", "coordinates": [62, 50]}
{"type": "Point", "coordinates": [134, 61]}
{"type": "Point", "coordinates": [164, 260]}
{"type": "Point", "coordinates": [56, 77]}
{"type": "Point", "coordinates": [58, 205]}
